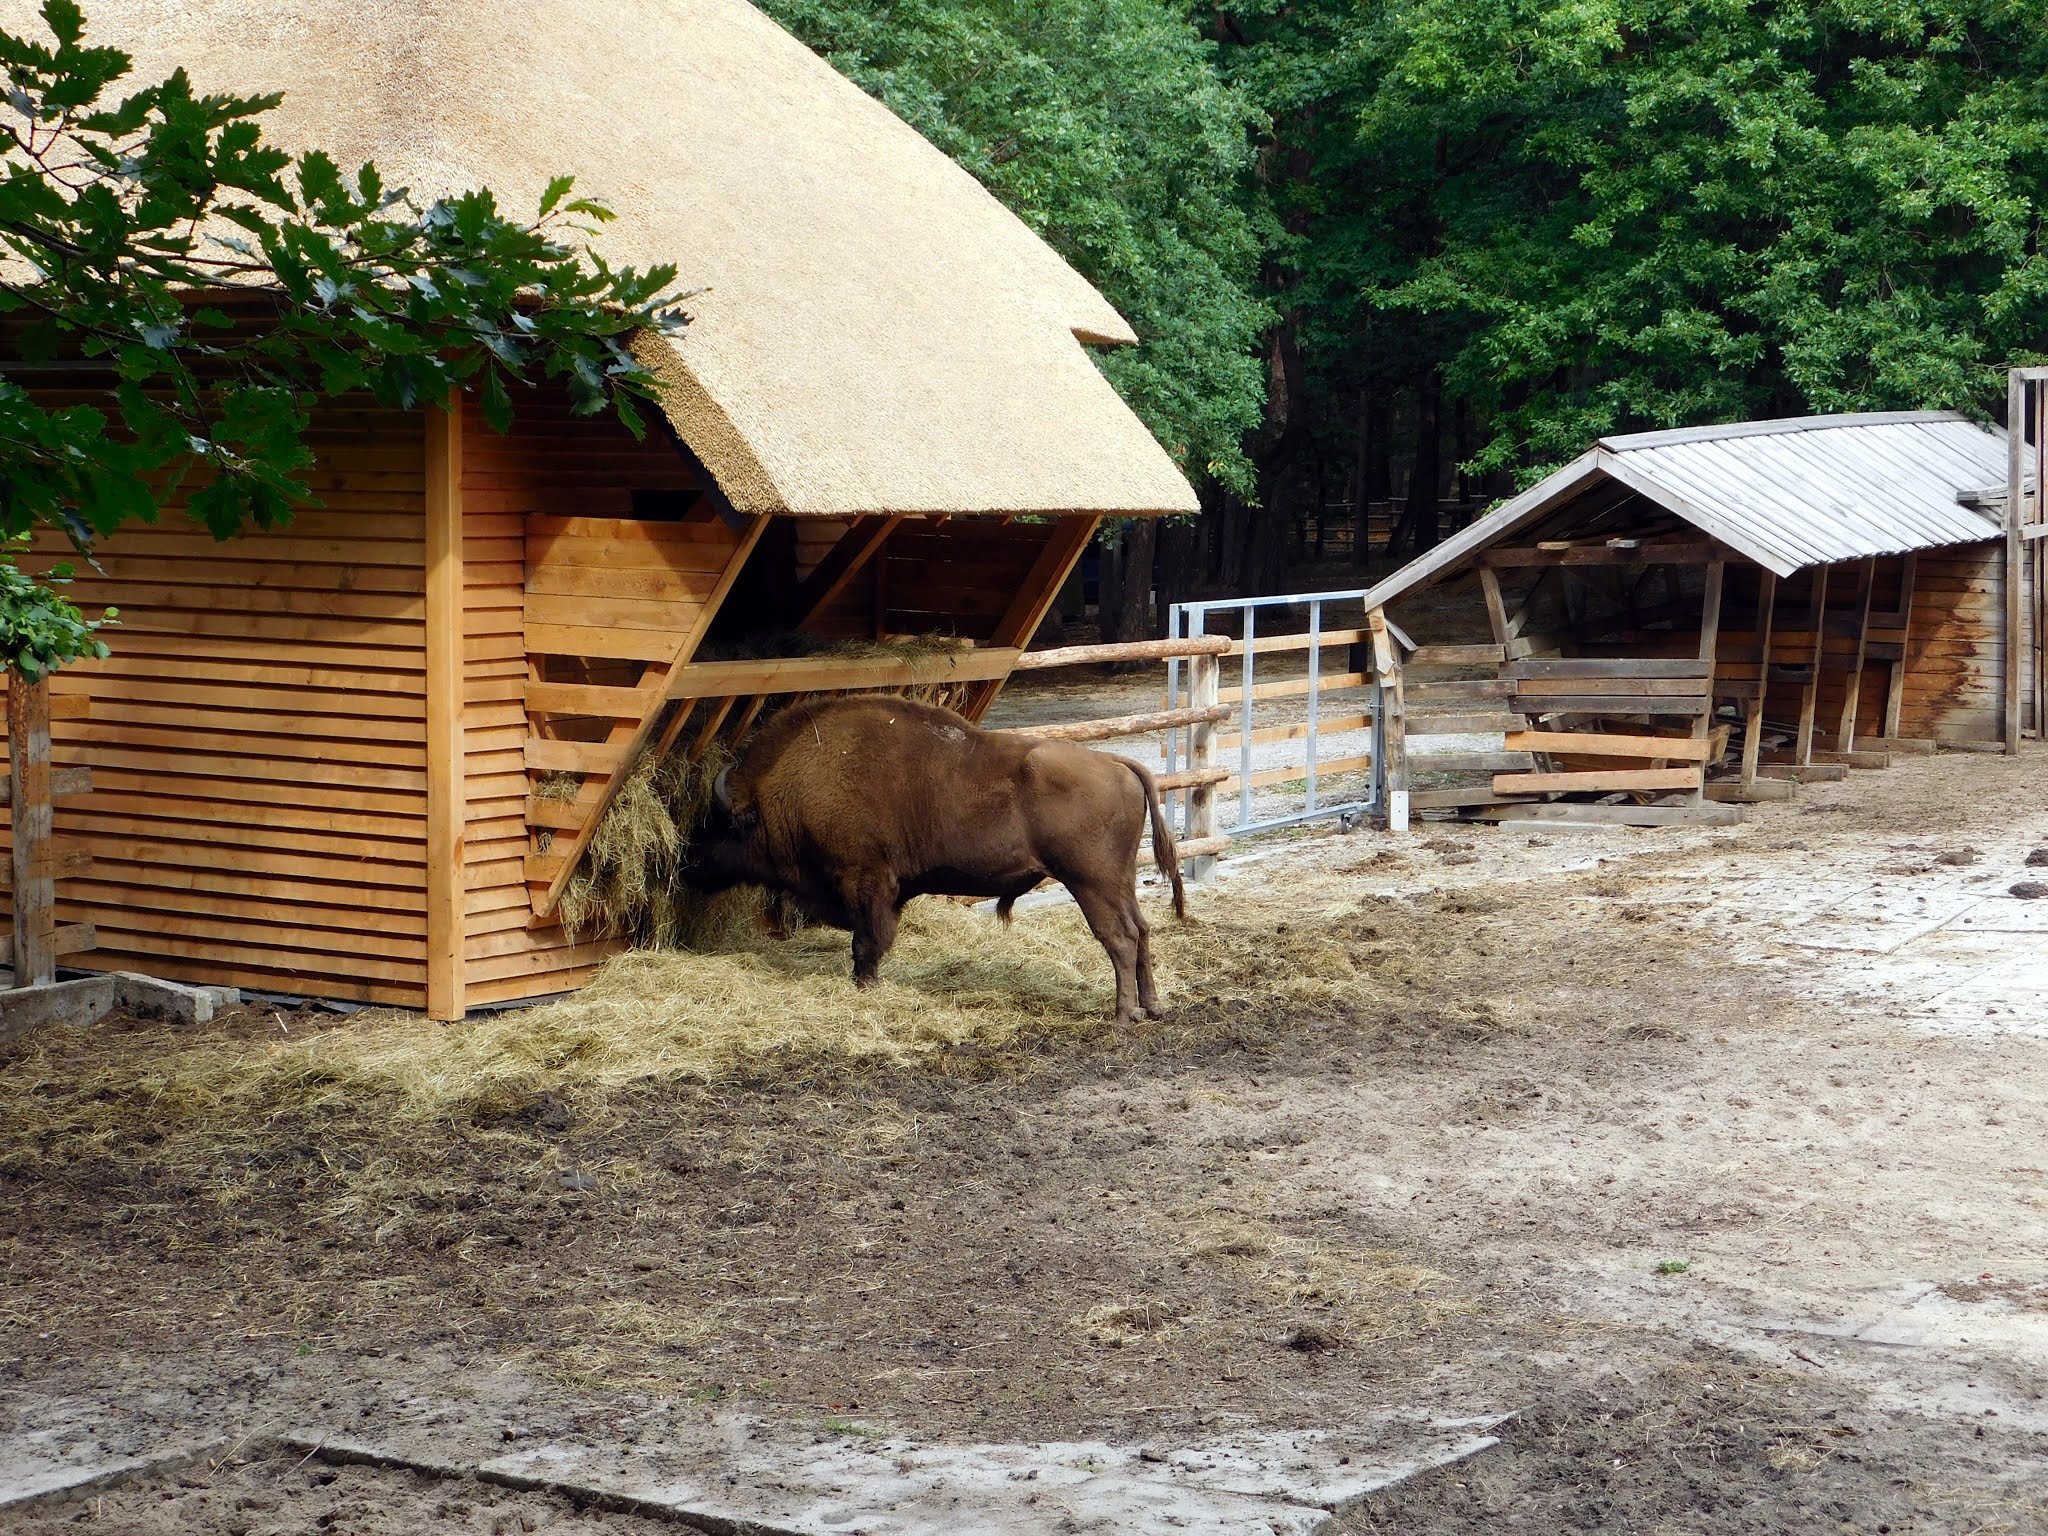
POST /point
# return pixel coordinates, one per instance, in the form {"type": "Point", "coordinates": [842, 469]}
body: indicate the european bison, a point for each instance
{"type": "Point", "coordinates": [853, 805]}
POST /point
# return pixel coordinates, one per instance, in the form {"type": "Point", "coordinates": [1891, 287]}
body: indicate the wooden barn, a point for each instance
{"type": "Point", "coordinates": [359, 758]}
{"type": "Point", "coordinates": [1737, 601]}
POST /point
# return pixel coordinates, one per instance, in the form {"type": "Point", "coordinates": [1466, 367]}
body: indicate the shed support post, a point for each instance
{"type": "Point", "coordinates": [447, 808]}
{"type": "Point", "coordinates": [1809, 697]}
{"type": "Point", "coordinates": [2015, 563]}
{"type": "Point", "coordinates": [1393, 735]}
{"type": "Point", "coordinates": [1895, 693]}
{"type": "Point", "coordinates": [1753, 716]}
{"type": "Point", "coordinates": [1710, 641]}
{"type": "Point", "coordinates": [35, 892]}
{"type": "Point", "coordinates": [1845, 730]}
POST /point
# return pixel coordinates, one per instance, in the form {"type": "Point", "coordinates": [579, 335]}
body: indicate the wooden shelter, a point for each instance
{"type": "Point", "coordinates": [359, 758]}
{"type": "Point", "coordinates": [1786, 591]}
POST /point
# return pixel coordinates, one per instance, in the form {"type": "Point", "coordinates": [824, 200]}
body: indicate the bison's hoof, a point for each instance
{"type": "Point", "coordinates": [864, 982]}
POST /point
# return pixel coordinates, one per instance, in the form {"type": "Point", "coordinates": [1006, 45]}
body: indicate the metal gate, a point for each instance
{"type": "Point", "coordinates": [1341, 709]}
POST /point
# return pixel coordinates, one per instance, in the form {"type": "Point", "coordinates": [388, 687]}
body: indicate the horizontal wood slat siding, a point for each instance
{"type": "Point", "coordinates": [258, 811]}
{"type": "Point", "coordinates": [1955, 658]}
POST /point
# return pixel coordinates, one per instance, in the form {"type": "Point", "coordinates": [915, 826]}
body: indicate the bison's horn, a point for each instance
{"type": "Point", "coordinates": [720, 793]}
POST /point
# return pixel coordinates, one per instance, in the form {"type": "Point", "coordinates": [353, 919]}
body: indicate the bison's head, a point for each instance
{"type": "Point", "coordinates": [724, 850]}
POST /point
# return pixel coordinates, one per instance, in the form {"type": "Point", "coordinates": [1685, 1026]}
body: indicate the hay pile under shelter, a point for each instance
{"type": "Point", "coordinates": [365, 757]}
{"type": "Point", "coordinates": [1689, 617]}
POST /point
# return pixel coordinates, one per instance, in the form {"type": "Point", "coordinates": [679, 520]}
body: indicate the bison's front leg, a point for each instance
{"type": "Point", "coordinates": [873, 913]}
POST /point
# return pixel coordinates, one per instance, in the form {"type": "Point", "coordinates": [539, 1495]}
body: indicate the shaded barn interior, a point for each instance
{"type": "Point", "coordinates": [1675, 616]}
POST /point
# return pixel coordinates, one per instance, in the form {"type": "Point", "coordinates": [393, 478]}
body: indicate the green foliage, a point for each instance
{"type": "Point", "coordinates": [122, 224]}
{"type": "Point", "coordinates": [1618, 213]}
{"type": "Point", "coordinates": [1105, 126]}
{"type": "Point", "coordinates": [40, 629]}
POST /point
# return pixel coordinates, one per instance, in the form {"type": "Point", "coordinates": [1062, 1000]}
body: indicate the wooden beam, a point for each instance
{"type": "Point", "coordinates": [63, 781]}
{"type": "Point", "coordinates": [1598, 668]}
{"type": "Point", "coordinates": [843, 561]}
{"type": "Point", "coordinates": [1125, 725]}
{"type": "Point", "coordinates": [1596, 744]}
{"type": "Point", "coordinates": [1597, 780]}
{"type": "Point", "coordinates": [1144, 650]}
{"type": "Point", "coordinates": [447, 808]}
{"type": "Point", "coordinates": [35, 892]}
{"type": "Point", "coordinates": [1753, 713]}
{"type": "Point", "coordinates": [1496, 606]}
{"type": "Point", "coordinates": [1845, 731]}
{"type": "Point", "coordinates": [820, 674]}
{"type": "Point", "coordinates": [1809, 697]}
{"type": "Point", "coordinates": [1546, 688]}
{"type": "Point", "coordinates": [1614, 704]}
{"type": "Point", "coordinates": [1692, 553]}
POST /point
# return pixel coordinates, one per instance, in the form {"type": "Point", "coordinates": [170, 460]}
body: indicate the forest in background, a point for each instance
{"type": "Point", "coordinates": [1390, 259]}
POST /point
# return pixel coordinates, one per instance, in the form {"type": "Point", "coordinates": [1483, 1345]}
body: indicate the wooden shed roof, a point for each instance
{"type": "Point", "coordinates": [1808, 490]}
{"type": "Point", "coordinates": [876, 332]}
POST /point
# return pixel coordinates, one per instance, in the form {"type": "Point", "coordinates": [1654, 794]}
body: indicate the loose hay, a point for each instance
{"type": "Point", "coordinates": [957, 980]}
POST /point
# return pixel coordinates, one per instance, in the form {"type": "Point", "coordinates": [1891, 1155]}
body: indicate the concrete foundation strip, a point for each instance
{"type": "Point", "coordinates": [345, 1453]}
{"type": "Point", "coordinates": [59, 1484]}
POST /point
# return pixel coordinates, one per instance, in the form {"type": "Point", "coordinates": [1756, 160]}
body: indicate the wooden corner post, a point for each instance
{"type": "Point", "coordinates": [447, 808]}
{"type": "Point", "coordinates": [35, 893]}
{"type": "Point", "coordinates": [1205, 688]}
{"type": "Point", "coordinates": [2015, 564]}
{"type": "Point", "coordinates": [1393, 707]}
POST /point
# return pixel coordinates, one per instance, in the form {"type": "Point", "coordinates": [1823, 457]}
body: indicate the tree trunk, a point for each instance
{"type": "Point", "coordinates": [1371, 484]}
{"type": "Point", "coordinates": [1230, 540]}
{"type": "Point", "coordinates": [1180, 556]}
{"type": "Point", "coordinates": [1109, 584]}
{"type": "Point", "coordinates": [1134, 609]}
{"type": "Point", "coordinates": [1425, 483]}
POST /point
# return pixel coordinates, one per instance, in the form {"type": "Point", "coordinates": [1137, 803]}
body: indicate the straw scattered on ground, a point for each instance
{"type": "Point", "coordinates": [957, 980]}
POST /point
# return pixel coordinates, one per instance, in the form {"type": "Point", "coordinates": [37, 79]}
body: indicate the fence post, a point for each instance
{"type": "Point", "coordinates": [1205, 683]}
{"type": "Point", "coordinates": [35, 892]}
{"type": "Point", "coordinates": [1392, 711]}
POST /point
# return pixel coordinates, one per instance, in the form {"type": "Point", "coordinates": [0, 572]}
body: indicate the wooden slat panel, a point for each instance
{"type": "Point", "coordinates": [572, 756]}
{"type": "Point", "coordinates": [1599, 781]}
{"type": "Point", "coordinates": [1594, 744]}
{"type": "Point", "coordinates": [671, 619]}
{"type": "Point", "coordinates": [609, 644]}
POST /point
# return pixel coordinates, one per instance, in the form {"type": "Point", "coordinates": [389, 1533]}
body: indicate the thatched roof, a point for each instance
{"type": "Point", "coordinates": [878, 334]}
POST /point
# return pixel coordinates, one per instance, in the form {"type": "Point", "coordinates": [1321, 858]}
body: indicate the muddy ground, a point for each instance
{"type": "Point", "coordinates": [1750, 1235]}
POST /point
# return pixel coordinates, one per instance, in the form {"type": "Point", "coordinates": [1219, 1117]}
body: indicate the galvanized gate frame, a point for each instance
{"type": "Point", "coordinates": [1200, 687]}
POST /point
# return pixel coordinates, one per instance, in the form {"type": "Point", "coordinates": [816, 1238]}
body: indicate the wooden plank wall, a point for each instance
{"type": "Point", "coordinates": [1955, 652]}
{"type": "Point", "coordinates": [952, 576]}
{"type": "Point", "coordinates": [257, 740]}
{"type": "Point", "coordinates": [553, 465]}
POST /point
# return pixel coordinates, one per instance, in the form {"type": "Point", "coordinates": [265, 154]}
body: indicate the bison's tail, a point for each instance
{"type": "Point", "coordinates": [1164, 854]}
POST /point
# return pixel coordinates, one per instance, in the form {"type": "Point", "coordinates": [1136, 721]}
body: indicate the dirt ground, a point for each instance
{"type": "Point", "coordinates": [1746, 1222]}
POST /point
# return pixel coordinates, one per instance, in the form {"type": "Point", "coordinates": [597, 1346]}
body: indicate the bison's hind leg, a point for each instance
{"type": "Point", "coordinates": [1109, 919]}
{"type": "Point", "coordinates": [1148, 993]}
